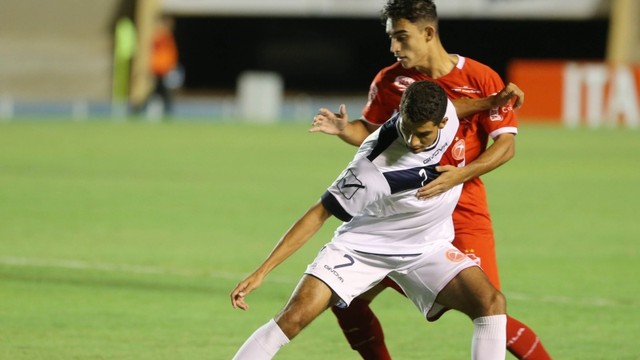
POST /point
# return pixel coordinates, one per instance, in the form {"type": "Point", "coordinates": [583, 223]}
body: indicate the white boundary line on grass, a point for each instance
{"type": "Point", "coordinates": [156, 270]}
{"type": "Point", "coordinates": [70, 264]}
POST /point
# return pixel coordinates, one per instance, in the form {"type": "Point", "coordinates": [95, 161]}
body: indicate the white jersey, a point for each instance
{"type": "Point", "coordinates": [375, 195]}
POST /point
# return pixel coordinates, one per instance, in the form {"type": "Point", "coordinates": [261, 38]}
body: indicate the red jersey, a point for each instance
{"type": "Point", "coordinates": [164, 56]}
{"type": "Point", "coordinates": [469, 79]}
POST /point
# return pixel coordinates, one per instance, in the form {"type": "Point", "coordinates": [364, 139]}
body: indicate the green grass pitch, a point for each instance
{"type": "Point", "coordinates": [123, 241]}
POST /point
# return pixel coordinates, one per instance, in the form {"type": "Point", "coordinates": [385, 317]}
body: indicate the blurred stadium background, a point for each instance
{"type": "Point", "coordinates": [58, 58]}
{"type": "Point", "coordinates": [121, 235]}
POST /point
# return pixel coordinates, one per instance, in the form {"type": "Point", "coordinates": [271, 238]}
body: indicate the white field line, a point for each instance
{"type": "Point", "coordinates": [156, 270]}
{"type": "Point", "coordinates": [128, 268]}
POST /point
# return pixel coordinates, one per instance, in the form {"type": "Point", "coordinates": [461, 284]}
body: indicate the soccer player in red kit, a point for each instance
{"type": "Point", "coordinates": [412, 26]}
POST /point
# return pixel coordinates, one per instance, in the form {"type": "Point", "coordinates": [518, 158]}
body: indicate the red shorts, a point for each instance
{"type": "Point", "coordinates": [480, 246]}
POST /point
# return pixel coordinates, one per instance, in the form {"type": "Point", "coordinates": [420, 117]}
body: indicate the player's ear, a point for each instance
{"type": "Point", "coordinates": [429, 32]}
{"type": "Point", "coordinates": [443, 122]}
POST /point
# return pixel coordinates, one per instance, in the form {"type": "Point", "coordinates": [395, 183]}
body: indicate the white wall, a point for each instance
{"type": "Point", "coordinates": [534, 9]}
{"type": "Point", "coordinates": [52, 50]}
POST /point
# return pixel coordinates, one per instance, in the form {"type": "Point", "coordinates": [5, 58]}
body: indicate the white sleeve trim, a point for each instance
{"type": "Point", "coordinates": [505, 130]}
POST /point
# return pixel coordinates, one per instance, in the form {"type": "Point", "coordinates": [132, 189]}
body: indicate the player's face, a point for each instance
{"type": "Point", "coordinates": [408, 41]}
{"type": "Point", "coordinates": [419, 138]}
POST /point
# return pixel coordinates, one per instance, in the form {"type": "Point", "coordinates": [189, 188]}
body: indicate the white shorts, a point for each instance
{"type": "Point", "coordinates": [350, 273]}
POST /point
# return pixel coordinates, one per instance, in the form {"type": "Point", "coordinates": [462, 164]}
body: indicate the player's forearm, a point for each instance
{"type": "Point", "coordinates": [295, 237]}
{"type": "Point", "coordinates": [355, 132]}
{"type": "Point", "coordinates": [501, 151]}
{"type": "Point", "coordinates": [467, 106]}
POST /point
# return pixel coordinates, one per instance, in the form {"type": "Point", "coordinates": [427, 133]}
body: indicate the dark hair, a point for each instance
{"type": "Point", "coordinates": [423, 101]}
{"type": "Point", "coordinates": [412, 10]}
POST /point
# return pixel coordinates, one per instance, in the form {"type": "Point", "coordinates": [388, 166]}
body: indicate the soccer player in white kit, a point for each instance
{"type": "Point", "coordinates": [387, 231]}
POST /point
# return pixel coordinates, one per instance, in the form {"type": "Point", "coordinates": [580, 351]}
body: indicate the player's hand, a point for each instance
{"type": "Point", "coordinates": [450, 176]}
{"type": "Point", "coordinates": [243, 289]}
{"type": "Point", "coordinates": [511, 92]}
{"type": "Point", "coordinates": [328, 122]}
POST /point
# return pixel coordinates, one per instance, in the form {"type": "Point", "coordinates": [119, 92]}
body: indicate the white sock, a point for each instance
{"type": "Point", "coordinates": [489, 338]}
{"type": "Point", "coordinates": [264, 343]}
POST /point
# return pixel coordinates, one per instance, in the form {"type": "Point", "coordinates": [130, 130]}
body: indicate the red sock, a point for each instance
{"type": "Point", "coordinates": [362, 329]}
{"type": "Point", "coordinates": [523, 343]}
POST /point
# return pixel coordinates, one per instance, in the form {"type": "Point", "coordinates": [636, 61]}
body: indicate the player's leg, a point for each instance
{"type": "Point", "coordinates": [444, 278]}
{"type": "Point", "coordinates": [310, 298]}
{"type": "Point", "coordinates": [522, 341]}
{"type": "Point", "coordinates": [471, 293]}
{"type": "Point", "coordinates": [355, 282]}
{"type": "Point", "coordinates": [361, 326]}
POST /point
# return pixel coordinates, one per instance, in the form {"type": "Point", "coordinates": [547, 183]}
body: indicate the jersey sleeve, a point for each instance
{"type": "Point", "coordinates": [498, 120]}
{"type": "Point", "coordinates": [383, 99]}
{"type": "Point", "coordinates": [358, 186]}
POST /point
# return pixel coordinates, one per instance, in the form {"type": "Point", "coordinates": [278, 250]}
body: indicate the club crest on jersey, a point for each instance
{"type": "Point", "coordinates": [403, 82]}
{"type": "Point", "coordinates": [349, 184]}
{"type": "Point", "coordinates": [458, 150]}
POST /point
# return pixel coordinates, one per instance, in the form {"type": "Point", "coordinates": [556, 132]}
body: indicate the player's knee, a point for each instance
{"type": "Point", "coordinates": [495, 303]}
{"type": "Point", "coordinates": [488, 303]}
{"type": "Point", "coordinates": [292, 322]}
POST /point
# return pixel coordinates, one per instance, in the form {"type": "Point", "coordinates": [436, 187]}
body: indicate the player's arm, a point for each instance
{"type": "Point", "coordinates": [355, 132]}
{"type": "Point", "coordinates": [292, 240]}
{"type": "Point", "coordinates": [499, 152]}
{"type": "Point", "coordinates": [467, 106]}
{"type": "Point", "coordinates": [351, 132]}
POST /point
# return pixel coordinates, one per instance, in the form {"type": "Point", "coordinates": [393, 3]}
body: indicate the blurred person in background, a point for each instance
{"type": "Point", "coordinates": [164, 66]}
{"type": "Point", "coordinates": [412, 26]}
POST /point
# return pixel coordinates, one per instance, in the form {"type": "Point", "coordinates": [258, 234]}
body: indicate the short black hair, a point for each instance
{"type": "Point", "coordinates": [423, 101]}
{"type": "Point", "coordinates": [412, 10]}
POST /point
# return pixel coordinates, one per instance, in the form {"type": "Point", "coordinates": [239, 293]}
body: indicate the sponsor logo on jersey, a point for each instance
{"type": "Point", "coordinates": [403, 82]}
{"type": "Point", "coordinates": [466, 90]}
{"type": "Point", "coordinates": [349, 184]}
{"type": "Point", "coordinates": [436, 152]}
{"type": "Point", "coordinates": [458, 150]}
{"type": "Point", "coordinates": [454, 255]}
{"type": "Point", "coordinates": [495, 115]}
